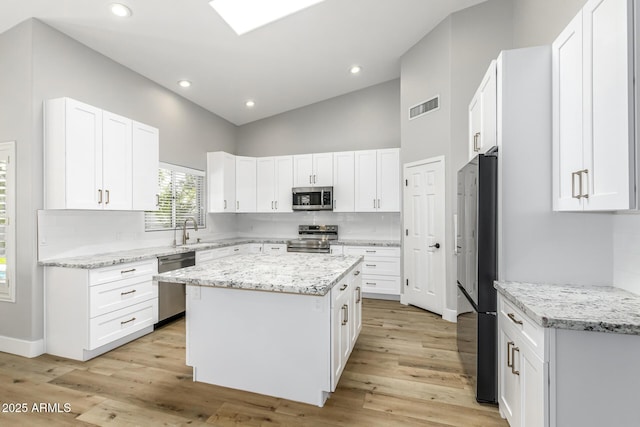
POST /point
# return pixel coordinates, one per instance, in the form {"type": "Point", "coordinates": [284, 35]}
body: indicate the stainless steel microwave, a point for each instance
{"type": "Point", "coordinates": [312, 198]}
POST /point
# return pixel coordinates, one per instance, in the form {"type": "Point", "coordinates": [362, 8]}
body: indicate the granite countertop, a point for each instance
{"type": "Point", "coordinates": [362, 242]}
{"type": "Point", "coordinates": [131, 255]}
{"type": "Point", "coordinates": [582, 308]}
{"type": "Point", "coordinates": [307, 274]}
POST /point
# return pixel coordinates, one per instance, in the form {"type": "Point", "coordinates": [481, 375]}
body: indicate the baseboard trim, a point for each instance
{"type": "Point", "coordinates": [450, 315]}
{"type": "Point", "coordinates": [22, 347]}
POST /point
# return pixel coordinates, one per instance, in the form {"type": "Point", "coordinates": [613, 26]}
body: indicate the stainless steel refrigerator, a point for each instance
{"type": "Point", "coordinates": [476, 250]}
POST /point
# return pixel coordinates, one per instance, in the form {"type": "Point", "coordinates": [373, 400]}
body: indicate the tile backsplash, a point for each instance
{"type": "Point", "coordinates": [63, 233]}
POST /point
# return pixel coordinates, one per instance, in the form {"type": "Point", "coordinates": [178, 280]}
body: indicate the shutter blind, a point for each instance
{"type": "Point", "coordinates": [181, 197]}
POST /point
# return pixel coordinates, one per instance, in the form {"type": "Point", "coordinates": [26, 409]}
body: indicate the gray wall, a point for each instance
{"type": "Point", "coordinates": [37, 63]}
{"type": "Point", "coordinates": [450, 61]}
{"type": "Point", "coordinates": [365, 119]}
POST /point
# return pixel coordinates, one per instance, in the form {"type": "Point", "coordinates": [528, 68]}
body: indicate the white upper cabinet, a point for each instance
{"type": "Point", "coordinates": [274, 176]}
{"type": "Point", "coordinates": [377, 180]}
{"type": "Point", "coordinates": [146, 162]}
{"type": "Point", "coordinates": [88, 161]}
{"type": "Point", "coordinates": [483, 114]}
{"type": "Point", "coordinates": [245, 184]}
{"type": "Point", "coordinates": [343, 181]}
{"type": "Point", "coordinates": [221, 181]}
{"type": "Point", "coordinates": [593, 123]}
{"type": "Point", "coordinates": [313, 170]}
{"type": "Point", "coordinates": [117, 174]}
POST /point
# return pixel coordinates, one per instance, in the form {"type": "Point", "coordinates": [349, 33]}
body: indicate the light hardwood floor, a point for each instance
{"type": "Point", "coordinates": [404, 371]}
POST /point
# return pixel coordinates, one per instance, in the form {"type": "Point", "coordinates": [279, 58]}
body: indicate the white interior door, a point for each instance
{"type": "Point", "coordinates": [424, 244]}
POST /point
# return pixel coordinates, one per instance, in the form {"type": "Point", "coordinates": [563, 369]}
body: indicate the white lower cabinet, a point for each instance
{"type": "Point", "coordinates": [111, 306]}
{"type": "Point", "coordinates": [380, 270]}
{"type": "Point", "coordinates": [521, 368]}
{"type": "Point", "coordinates": [346, 321]}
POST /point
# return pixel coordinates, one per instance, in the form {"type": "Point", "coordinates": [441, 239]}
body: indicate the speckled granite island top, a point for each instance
{"type": "Point", "coordinates": [308, 274]}
{"type": "Point", "coordinates": [583, 308]}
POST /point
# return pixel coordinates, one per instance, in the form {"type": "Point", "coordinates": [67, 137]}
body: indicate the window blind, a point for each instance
{"type": "Point", "coordinates": [181, 196]}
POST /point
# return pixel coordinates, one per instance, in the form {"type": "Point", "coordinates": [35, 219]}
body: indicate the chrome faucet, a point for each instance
{"type": "Point", "coordinates": [185, 234]}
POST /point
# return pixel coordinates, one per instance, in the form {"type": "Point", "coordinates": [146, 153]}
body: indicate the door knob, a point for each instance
{"type": "Point", "coordinates": [437, 246]}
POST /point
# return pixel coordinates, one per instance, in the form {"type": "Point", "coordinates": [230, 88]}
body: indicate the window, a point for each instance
{"type": "Point", "coordinates": [181, 196]}
{"type": "Point", "coordinates": [7, 221]}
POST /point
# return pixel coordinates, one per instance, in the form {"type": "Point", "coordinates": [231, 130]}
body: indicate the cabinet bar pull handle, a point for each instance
{"type": "Point", "coordinates": [513, 360]}
{"type": "Point", "coordinates": [359, 295]}
{"type": "Point", "coordinates": [513, 319]}
{"type": "Point", "coordinates": [509, 363]}
{"type": "Point", "coordinates": [573, 186]}
{"type": "Point", "coordinates": [108, 197]}
{"type": "Point", "coordinates": [128, 321]}
{"type": "Point", "coordinates": [99, 197]}
{"type": "Point", "coordinates": [127, 293]}
{"type": "Point", "coordinates": [584, 172]}
{"type": "Point", "coordinates": [345, 314]}
{"type": "Point", "coordinates": [343, 287]}
{"type": "Point", "coordinates": [131, 270]}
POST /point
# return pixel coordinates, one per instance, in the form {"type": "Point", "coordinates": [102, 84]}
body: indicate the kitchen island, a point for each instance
{"type": "Point", "coordinates": [280, 325]}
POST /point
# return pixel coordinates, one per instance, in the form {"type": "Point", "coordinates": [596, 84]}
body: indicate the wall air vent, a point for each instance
{"type": "Point", "coordinates": [424, 107]}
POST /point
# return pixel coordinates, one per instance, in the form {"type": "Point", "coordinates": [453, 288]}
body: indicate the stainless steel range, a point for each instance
{"type": "Point", "coordinates": [313, 239]}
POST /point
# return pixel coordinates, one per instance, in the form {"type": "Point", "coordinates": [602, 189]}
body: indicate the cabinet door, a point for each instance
{"type": "Point", "coordinates": [303, 170]}
{"type": "Point", "coordinates": [83, 157]}
{"type": "Point", "coordinates": [508, 383]}
{"type": "Point", "coordinates": [608, 104]}
{"type": "Point", "coordinates": [265, 184]}
{"type": "Point", "coordinates": [245, 184]}
{"type": "Point", "coordinates": [388, 180]}
{"type": "Point", "coordinates": [567, 116]}
{"type": "Point", "coordinates": [532, 372]}
{"type": "Point", "coordinates": [284, 183]}
{"type": "Point", "coordinates": [323, 169]}
{"type": "Point", "coordinates": [488, 109]}
{"type": "Point", "coordinates": [221, 180]}
{"type": "Point", "coordinates": [343, 181]}
{"type": "Point", "coordinates": [116, 162]}
{"type": "Point", "coordinates": [366, 199]}
{"type": "Point", "coordinates": [145, 160]}
{"type": "Point", "coordinates": [475, 116]}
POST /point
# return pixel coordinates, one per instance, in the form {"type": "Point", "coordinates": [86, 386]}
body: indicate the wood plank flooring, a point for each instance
{"type": "Point", "coordinates": [404, 371]}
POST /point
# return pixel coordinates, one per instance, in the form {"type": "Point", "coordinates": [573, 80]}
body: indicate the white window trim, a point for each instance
{"type": "Point", "coordinates": [8, 293]}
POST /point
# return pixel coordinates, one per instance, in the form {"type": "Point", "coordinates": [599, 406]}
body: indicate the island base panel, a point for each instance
{"type": "Point", "coordinates": [270, 343]}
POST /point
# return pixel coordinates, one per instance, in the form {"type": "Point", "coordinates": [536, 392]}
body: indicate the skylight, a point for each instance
{"type": "Point", "coordinates": [247, 15]}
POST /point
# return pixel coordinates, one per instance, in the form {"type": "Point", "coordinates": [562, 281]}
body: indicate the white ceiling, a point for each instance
{"type": "Point", "coordinates": [299, 60]}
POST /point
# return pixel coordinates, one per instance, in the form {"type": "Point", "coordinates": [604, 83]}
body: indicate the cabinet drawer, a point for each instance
{"type": "Point", "coordinates": [389, 285]}
{"type": "Point", "coordinates": [211, 254]}
{"type": "Point", "coordinates": [275, 248]}
{"type": "Point", "coordinates": [372, 251]}
{"type": "Point", "coordinates": [123, 271]}
{"type": "Point", "coordinates": [113, 296]}
{"type": "Point", "coordinates": [513, 318]}
{"type": "Point", "coordinates": [381, 266]}
{"type": "Point", "coordinates": [120, 323]}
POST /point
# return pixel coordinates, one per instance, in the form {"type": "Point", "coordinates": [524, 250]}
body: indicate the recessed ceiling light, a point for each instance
{"type": "Point", "coordinates": [247, 15]}
{"type": "Point", "coordinates": [250, 103]}
{"type": "Point", "coordinates": [184, 83]}
{"type": "Point", "coordinates": [120, 10]}
{"type": "Point", "coordinates": [355, 69]}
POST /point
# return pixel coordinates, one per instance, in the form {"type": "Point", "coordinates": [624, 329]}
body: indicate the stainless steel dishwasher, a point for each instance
{"type": "Point", "coordinates": [171, 296]}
